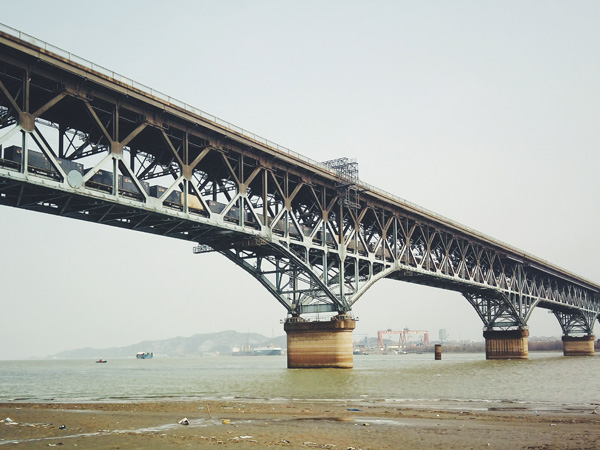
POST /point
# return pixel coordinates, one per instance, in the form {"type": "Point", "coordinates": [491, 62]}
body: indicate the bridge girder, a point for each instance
{"type": "Point", "coordinates": [151, 165]}
{"type": "Point", "coordinates": [300, 288]}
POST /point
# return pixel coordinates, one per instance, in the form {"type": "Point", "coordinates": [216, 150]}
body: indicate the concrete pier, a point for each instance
{"type": "Point", "coordinates": [509, 344]}
{"type": "Point", "coordinates": [320, 344]}
{"type": "Point", "coordinates": [578, 345]}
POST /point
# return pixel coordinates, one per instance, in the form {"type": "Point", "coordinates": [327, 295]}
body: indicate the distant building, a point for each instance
{"type": "Point", "coordinates": [443, 334]}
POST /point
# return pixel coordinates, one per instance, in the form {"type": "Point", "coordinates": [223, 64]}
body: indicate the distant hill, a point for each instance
{"type": "Point", "coordinates": [196, 345]}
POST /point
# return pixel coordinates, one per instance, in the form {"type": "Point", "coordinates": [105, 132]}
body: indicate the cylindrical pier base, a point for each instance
{"type": "Point", "coordinates": [509, 344]}
{"type": "Point", "coordinates": [578, 345]}
{"type": "Point", "coordinates": [312, 345]}
{"type": "Point", "coordinates": [438, 352]}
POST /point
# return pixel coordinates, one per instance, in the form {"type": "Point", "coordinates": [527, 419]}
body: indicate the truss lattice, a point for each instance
{"type": "Point", "coordinates": [92, 152]}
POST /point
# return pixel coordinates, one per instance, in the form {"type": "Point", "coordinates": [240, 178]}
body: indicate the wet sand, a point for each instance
{"type": "Point", "coordinates": [298, 425]}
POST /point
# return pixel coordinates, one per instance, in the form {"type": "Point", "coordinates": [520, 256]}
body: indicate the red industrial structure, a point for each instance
{"type": "Point", "coordinates": [403, 334]}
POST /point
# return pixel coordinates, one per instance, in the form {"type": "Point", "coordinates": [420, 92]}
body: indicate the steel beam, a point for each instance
{"type": "Point", "coordinates": [150, 164]}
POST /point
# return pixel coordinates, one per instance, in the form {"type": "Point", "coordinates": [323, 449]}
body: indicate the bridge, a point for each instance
{"type": "Point", "coordinates": [80, 141]}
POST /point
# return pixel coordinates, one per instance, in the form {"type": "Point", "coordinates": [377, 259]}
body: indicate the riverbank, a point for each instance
{"type": "Point", "coordinates": [298, 425]}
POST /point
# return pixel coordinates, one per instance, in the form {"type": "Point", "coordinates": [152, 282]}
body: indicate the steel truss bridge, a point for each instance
{"type": "Point", "coordinates": [105, 149]}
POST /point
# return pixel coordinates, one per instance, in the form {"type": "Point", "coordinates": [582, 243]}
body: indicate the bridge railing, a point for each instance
{"type": "Point", "coordinates": [148, 90]}
{"type": "Point", "coordinates": [182, 105]}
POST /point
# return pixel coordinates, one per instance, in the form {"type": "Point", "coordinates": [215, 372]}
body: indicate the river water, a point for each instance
{"type": "Point", "coordinates": [545, 379]}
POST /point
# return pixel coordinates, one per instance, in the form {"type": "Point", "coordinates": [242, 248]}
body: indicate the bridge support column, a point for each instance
{"type": "Point", "coordinates": [320, 344]}
{"type": "Point", "coordinates": [509, 344]}
{"type": "Point", "coordinates": [578, 345]}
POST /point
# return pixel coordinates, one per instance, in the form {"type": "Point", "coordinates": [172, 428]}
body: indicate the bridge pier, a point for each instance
{"type": "Point", "coordinates": [313, 345]}
{"type": "Point", "coordinates": [578, 345]}
{"type": "Point", "coordinates": [506, 344]}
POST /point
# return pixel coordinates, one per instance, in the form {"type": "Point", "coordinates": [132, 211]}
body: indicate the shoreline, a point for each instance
{"type": "Point", "coordinates": [342, 424]}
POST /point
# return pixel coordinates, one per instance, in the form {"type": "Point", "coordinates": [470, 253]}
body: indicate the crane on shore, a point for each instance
{"type": "Point", "coordinates": [403, 336]}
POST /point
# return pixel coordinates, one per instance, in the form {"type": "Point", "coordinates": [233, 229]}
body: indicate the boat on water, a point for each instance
{"type": "Point", "coordinates": [101, 361]}
{"type": "Point", "coordinates": [241, 353]}
{"type": "Point", "coordinates": [244, 350]}
{"type": "Point", "coordinates": [259, 351]}
{"type": "Point", "coordinates": [144, 355]}
{"type": "Point", "coordinates": [268, 351]}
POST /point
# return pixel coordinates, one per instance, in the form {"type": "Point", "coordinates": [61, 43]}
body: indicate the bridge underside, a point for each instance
{"type": "Point", "coordinates": [40, 198]}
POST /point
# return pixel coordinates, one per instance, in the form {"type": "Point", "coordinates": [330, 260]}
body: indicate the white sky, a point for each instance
{"type": "Point", "coordinates": [484, 112]}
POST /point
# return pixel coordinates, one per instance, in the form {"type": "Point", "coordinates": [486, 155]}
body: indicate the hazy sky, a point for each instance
{"type": "Point", "coordinates": [485, 112]}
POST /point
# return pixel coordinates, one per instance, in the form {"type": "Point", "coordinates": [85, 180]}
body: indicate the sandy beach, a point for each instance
{"type": "Point", "coordinates": [296, 425]}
